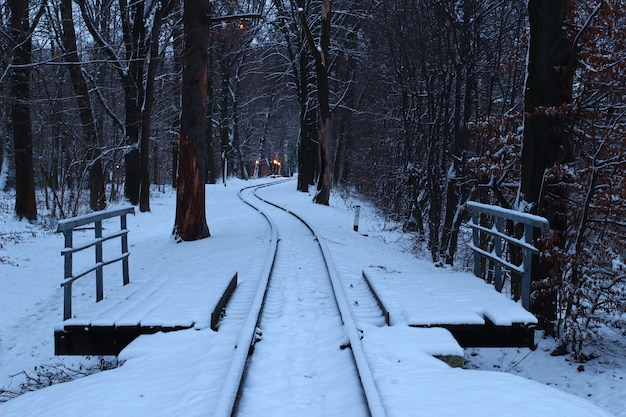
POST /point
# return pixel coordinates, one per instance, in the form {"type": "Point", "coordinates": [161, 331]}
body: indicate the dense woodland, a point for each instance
{"type": "Point", "coordinates": [418, 105]}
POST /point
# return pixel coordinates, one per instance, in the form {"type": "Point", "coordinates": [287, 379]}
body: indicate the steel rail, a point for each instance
{"type": "Point", "coordinates": [235, 379]}
{"type": "Point", "coordinates": [229, 393]}
{"type": "Point", "coordinates": [366, 376]}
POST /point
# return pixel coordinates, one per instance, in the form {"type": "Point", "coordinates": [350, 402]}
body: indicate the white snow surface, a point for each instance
{"type": "Point", "coordinates": [181, 373]}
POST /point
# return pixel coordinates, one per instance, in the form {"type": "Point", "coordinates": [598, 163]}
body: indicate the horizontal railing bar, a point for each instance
{"type": "Point", "coordinates": [519, 217]}
{"type": "Point", "coordinates": [69, 224]}
{"type": "Point", "coordinates": [94, 242]}
{"type": "Point", "coordinates": [517, 268]}
{"type": "Point", "coordinates": [93, 268]}
{"type": "Point", "coordinates": [504, 236]}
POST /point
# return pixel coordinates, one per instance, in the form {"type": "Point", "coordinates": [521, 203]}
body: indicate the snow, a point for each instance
{"type": "Point", "coordinates": [181, 373]}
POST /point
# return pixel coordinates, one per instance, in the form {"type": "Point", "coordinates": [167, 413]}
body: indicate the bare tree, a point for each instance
{"type": "Point", "coordinates": [21, 43]}
{"type": "Point", "coordinates": [141, 49]}
{"type": "Point", "coordinates": [89, 139]}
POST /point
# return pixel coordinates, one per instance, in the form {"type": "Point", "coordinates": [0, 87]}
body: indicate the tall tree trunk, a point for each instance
{"type": "Point", "coordinates": [546, 138]}
{"type": "Point", "coordinates": [211, 174]}
{"type": "Point", "coordinates": [131, 157]}
{"type": "Point", "coordinates": [3, 139]}
{"type": "Point", "coordinates": [341, 169]}
{"type": "Point", "coordinates": [25, 206]}
{"type": "Point", "coordinates": [133, 30]}
{"type": "Point", "coordinates": [321, 75]}
{"type": "Point", "coordinates": [239, 164]}
{"type": "Point", "coordinates": [308, 128]}
{"type": "Point", "coordinates": [323, 185]}
{"type": "Point", "coordinates": [175, 163]}
{"type": "Point", "coordinates": [549, 84]}
{"type": "Point", "coordinates": [224, 120]}
{"type": "Point", "coordinates": [190, 222]}
{"type": "Point", "coordinates": [177, 43]}
{"type": "Point", "coordinates": [97, 199]}
{"type": "Point", "coordinates": [144, 169]}
{"type": "Point", "coordinates": [433, 178]}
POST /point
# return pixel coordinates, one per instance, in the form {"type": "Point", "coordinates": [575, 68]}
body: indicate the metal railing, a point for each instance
{"type": "Point", "coordinates": [497, 236]}
{"type": "Point", "coordinates": [68, 227]}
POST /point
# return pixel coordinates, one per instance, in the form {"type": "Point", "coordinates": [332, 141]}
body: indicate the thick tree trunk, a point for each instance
{"type": "Point", "coordinates": [209, 161]}
{"type": "Point", "coordinates": [321, 69]}
{"type": "Point", "coordinates": [131, 157]}
{"type": "Point", "coordinates": [190, 222]}
{"type": "Point", "coordinates": [175, 163]}
{"type": "Point", "coordinates": [97, 199]}
{"type": "Point", "coordinates": [434, 214]}
{"type": "Point", "coordinates": [133, 31]}
{"type": "Point", "coordinates": [546, 134]}
{"type": "Point", "coordinates": [25, 206]}
{"type": "Point", "coordinates": [321, 76]}
{"type": "Point", "coordinates": [144, 169]}
{"type": "Point", "coordinates": [308, 128]}
{"type": "Point", "coordinates": [549, 84]}
{"type": "Point", "coordinates": [341, 166]}
{"type": "Point", "coordinates": [224, 119]}
{"type": "Point", "coordinates": [177, 35]}
{"type": "Point", "coordinates": [323, 184]}
{"type": "Point", "coordinates": [343, 147]}
{"type": "Point", "coordinates": [238, 158]}
{"type": "Point", "coordinates": [3, 123]}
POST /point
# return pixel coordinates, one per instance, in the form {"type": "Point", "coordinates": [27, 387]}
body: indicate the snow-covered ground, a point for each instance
{"type": "Point", "coordinates": [175, 373]}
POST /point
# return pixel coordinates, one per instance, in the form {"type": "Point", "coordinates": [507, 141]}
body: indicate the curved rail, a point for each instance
{"type": "Point", "coordinates": [227, 401]}
{"type": "Point", "coordinates": [232, 384]}
{"type": "Point", "coordinates": [370, 389]}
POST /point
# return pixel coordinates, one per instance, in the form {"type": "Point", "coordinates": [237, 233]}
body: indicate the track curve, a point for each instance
{"type": "Point", "coordinates": [299, 306]}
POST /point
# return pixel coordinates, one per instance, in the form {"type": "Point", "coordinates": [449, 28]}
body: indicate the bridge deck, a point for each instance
{"type": "Point", "coordinates": [161, 305]}
{"type": "Point", "coordinates": [469, 308]}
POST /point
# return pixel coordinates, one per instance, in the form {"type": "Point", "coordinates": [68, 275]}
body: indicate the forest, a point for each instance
{"type": "Point", "coordinates": [417, 105]}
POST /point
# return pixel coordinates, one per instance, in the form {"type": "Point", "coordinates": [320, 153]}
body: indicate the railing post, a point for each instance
{"type": "Point", "coordinates": [67, 301]}
{"type": "Point", "coordinates": [125, 270]}
{"type": "Point", "coordinates": [497, 241]}
{"type": "Point", "coordinates": [99, 273]}
{"type": "Point", "coordinates": [67, 290]}
{"type": "Point", "coordinates": [69, 241]}
{"type": "Point", "coordinates": [527, 262]}
{"type": "Point", "coordinates": [357, 210]}
{"type": "Point", "coordinates": [476, 240]}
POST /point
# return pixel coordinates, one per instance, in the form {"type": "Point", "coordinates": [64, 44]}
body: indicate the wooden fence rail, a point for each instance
{"type": "Point", "coordinates": [68, 227]}
{"type": "Point", "coordinates": [498, 236]}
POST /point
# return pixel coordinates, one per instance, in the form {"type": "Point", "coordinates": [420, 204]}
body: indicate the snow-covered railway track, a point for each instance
{"type": "Point", "coordinates": [299, 350]}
